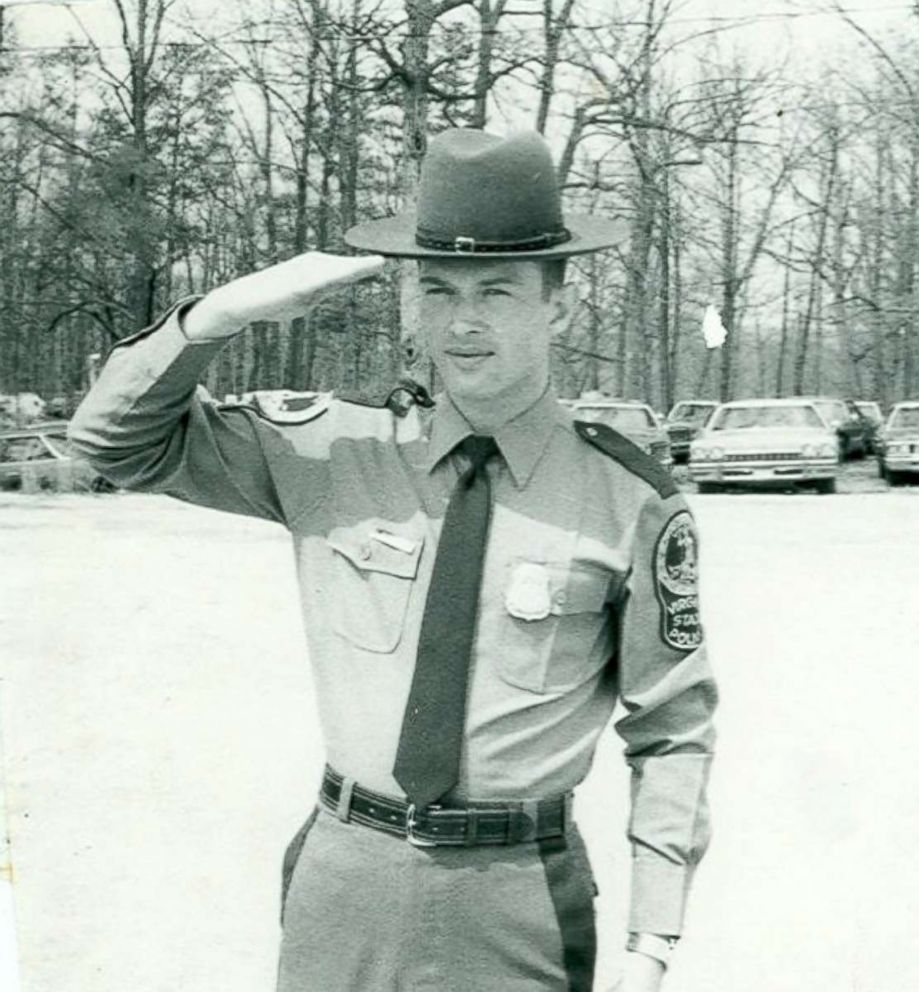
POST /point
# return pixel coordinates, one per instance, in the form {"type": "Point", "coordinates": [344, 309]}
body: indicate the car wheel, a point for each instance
{"type": "Point", "coordinates": [892, 478]}
{"type": "Point", "coordinates": [825, 486]}
{"type": "Point", "coordinates": [708, 487]}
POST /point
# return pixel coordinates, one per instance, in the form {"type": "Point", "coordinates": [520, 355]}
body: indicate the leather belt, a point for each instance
{"type": "Point", "coordinates": [447, 826]}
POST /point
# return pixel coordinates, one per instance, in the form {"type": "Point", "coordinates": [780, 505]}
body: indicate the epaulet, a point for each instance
{"type": "Point", "coordinates": [629, 455]}
{"type": "Point", "coordinates": [399, 398]}
{"type": "Point", "coordinates": [283, 407]}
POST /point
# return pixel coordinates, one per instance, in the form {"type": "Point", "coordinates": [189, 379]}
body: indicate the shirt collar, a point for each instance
{"type": "Point", "coordinates": [521, 440]}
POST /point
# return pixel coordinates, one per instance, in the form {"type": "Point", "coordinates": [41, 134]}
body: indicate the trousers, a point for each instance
{"type": "Point", "coordinates": [363, 911]}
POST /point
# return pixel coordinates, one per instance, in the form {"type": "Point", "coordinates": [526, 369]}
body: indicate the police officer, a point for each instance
{"type": "Point", "coordinates": [481, 579]}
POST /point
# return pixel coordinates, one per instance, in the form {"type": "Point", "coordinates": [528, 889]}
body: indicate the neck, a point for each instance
{"type": "Point", "coordinates": [488, 415]}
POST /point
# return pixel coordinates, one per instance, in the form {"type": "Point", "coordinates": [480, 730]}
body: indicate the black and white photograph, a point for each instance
{"type": "Point", "coordinates": [459, 495]}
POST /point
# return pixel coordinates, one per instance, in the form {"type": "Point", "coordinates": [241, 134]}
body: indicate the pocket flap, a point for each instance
{"type": "Point", "coordinates": [378, 548]}
{"type": "Point", "coordinates": [579, 589]}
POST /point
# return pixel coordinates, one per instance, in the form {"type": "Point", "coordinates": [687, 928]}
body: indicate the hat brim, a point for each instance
{"type": "Point", "coordinates": [396, 236]}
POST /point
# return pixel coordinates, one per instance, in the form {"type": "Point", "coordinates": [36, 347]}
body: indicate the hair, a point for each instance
{"type": "Point", "coordinates": [553, 275]}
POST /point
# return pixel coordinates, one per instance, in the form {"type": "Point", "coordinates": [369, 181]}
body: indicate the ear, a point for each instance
{"type": "Point", "coordinates": [564, 306]}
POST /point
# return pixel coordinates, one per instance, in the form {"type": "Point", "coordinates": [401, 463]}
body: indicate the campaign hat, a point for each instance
{"type": "Point", "coordinates": [486, 196]}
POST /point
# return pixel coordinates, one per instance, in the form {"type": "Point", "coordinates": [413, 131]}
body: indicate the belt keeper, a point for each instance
{"type": "Point", "coordinates": [472, 828]}
{"type": "Point", "coordinates": [343, 812]}
{"type": "Point", "coordinates": [529, 811]}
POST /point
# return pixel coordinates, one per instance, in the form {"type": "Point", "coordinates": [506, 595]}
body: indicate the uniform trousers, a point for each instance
{"type": "Point", "coordinates": [363, 911]}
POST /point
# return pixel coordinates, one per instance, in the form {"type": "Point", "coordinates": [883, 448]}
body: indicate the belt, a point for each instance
{"type": "Point", "coordinates": [447, 826]}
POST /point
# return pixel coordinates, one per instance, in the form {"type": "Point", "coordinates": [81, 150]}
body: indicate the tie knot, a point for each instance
{"type": "Point", "coordinates": [478, 448]}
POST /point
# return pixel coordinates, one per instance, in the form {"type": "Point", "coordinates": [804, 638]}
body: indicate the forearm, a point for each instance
{"type": "Point", "coordinates": [144, 390]}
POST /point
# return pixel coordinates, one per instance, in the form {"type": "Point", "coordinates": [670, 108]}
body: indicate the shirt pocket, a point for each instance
{"type": "Point", "coordinates": [557, 625]}
{"type": "Point", "coordinates": [374, 570]}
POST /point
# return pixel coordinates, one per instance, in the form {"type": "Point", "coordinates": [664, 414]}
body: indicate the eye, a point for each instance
{"type": "Point", "coordinates": [436, 291]}
{"type": "Point", "coordinates": [496, 291]}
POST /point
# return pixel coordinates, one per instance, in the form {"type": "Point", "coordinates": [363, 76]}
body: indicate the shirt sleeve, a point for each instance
{"type": "Point", "coordinates": [669, 695]}
{"type": "Point", "coordinates": [147, 425]}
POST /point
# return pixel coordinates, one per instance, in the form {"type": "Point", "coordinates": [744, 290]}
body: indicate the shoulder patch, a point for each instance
{"type": "Point", "coordinates": [284, 408]}
{"type": "Point", "coordinates": [399, 399]}
{"type": "Point", "coordinates": [618, 447]}
{"type": "Point", "coordinates": [676, 575]}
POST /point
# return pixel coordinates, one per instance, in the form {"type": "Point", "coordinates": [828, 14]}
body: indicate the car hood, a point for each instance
{"type": "Point", "coordinates": [766, 438]}
{"type": "Point", "coordinates": [902, 434]}
{"type": "Point", "coordinates": [644, 437]}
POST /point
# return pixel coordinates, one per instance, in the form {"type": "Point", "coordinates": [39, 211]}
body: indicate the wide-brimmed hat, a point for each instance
{"type": "Point", "coordinates": [485, 196]}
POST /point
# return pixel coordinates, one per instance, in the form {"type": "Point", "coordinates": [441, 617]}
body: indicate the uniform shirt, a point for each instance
{"type": "Point", "coordinates": [588, 590]}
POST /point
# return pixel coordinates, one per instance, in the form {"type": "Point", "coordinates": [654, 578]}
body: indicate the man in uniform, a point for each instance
{"type": "Point", "coordinates": [481, 580]}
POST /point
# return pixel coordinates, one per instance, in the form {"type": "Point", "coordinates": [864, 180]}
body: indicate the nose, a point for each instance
{"type": "Point", "coordinates": [466, 317]}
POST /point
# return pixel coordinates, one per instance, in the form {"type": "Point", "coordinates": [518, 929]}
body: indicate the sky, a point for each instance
{"type": "Point", "coordinates": [764, 25]}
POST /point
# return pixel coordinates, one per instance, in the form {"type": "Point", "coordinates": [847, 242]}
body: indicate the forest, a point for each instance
{"type": "Point", "coordinates": [189, 143]}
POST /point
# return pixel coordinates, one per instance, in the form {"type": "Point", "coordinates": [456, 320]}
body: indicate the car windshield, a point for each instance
{"type": "Point", "coordinates": [692, 413]}
{"type": "Point", "coordinates": [834, 412]}
{"type": "Point", "coordinates": [623, 418]}
{"type": "Point", "coordinates": [905, 417]}
{"type": "Point", "coordinates": [742, 417]}
{"type": "Point", "coordinates": [22, 449]}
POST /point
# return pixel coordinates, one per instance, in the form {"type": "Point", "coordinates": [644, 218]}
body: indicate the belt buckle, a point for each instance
{"type": "Point", "coordinates": [410, 835]}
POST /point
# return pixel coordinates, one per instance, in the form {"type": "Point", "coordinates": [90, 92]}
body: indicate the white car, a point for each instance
{"type": "Point", "coordinates": [636, 420]}
{"type": "Point", "coordinates": [898, 446]}
{"type": "Point", "coordinates": [765, 442]}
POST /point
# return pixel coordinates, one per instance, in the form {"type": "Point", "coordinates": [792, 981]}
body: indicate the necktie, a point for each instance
{"type": "Point", "coordinates": [428, 757]}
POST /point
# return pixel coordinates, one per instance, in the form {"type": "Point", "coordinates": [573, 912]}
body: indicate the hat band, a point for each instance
{"type": "Point", "coordinates": [471, 246]}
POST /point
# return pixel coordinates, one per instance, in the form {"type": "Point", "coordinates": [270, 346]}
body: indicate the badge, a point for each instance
{"type": "Point", "coordinates": [676, 575]}
{"type": "Point", "coordinates": [529, 596]}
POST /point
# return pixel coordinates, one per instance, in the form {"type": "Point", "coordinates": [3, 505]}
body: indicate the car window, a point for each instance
{"type": "Point", "coordinates": [623, 418]}
{"type": "Point", "coordinates": [742, 417]}
{"type": "Point", "coordinates": [22, 449]}
{"type": "Point", "coordinates": [905, 417]}
{"type": "Point", "coordinates": [693, 413]}
{"type": "Point", "coordinates": [834, 411]}
{"type": "Point", "coordinates": [869, 410]}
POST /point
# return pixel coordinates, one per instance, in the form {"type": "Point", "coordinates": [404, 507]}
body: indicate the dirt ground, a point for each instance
{"type": "Point", "coordinates": [160, 746]}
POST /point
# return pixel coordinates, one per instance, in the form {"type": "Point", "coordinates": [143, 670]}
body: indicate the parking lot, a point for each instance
{"type": "Point", "coordinates": [161, 747]}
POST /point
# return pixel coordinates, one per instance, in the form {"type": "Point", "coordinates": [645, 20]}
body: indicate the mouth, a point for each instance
{"type": "Point", "coordinates": [468, 358]}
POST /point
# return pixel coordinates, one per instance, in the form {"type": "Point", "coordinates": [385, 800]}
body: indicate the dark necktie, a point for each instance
{"type": "Point", "coordinates": [427, 761]}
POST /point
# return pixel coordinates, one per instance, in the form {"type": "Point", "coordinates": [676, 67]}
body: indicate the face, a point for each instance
{"type": "Point", "coordinates": [489, 324]}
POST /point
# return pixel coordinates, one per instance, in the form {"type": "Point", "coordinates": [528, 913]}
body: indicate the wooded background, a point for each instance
{"type": "Point", "coordinates": [212, 140]}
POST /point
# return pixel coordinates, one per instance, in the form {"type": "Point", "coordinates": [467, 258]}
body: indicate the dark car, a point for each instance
{"type": "Point", "coordinates": [871, 411]}
{"type": "Point", "coordinates": [898, 443]}
{"type": "Point", "coordinates": [40, 457]}
{"type": "Point", "coordinates": [683, 424]}
{"type": "Point", "coordinates": [852, 428]}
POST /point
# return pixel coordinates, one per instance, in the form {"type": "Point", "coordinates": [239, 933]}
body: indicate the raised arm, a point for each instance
{"type": "Point", "coordinates": [147, 425]}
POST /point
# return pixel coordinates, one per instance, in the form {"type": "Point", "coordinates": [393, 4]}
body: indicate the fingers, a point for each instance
{"type": "Point", "coordinates": [314, 271]}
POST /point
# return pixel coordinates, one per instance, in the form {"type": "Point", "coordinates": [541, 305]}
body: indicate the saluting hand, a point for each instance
{"type": "Point", "coordinates": [281, 292]}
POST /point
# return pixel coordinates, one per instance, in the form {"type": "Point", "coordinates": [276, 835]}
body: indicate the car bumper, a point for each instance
{"type": "Point", "coordinates": [739, 473]}
{"type": "Point", "coordinates": [903, 462]}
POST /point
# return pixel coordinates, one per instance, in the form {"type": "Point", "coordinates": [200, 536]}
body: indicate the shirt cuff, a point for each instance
{"type": "Point", "coordinates": [659, 890]}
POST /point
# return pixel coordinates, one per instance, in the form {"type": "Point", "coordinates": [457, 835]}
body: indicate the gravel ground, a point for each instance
{"type": "Point", "coordinates": [160, 745]}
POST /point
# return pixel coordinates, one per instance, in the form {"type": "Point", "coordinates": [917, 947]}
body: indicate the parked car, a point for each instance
{"type": "Point", "coordinates": [636, 420]}
{"type": "Point", "coordinates": [40, 457]}
{"type": "Point", "coordinates": [852, 429]}
{"type": "Point", "coordinates": [898, 443]}
{"type": "Point", "coordinates": [684, 422]}
{"type": "Point", "coordinates": [765, 442]}
{"type": "Point", "coordinates": [871, 411]}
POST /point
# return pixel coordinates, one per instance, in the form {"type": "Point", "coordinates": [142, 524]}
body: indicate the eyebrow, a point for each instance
{"type": "Point", "coordinates": [493, 281]}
